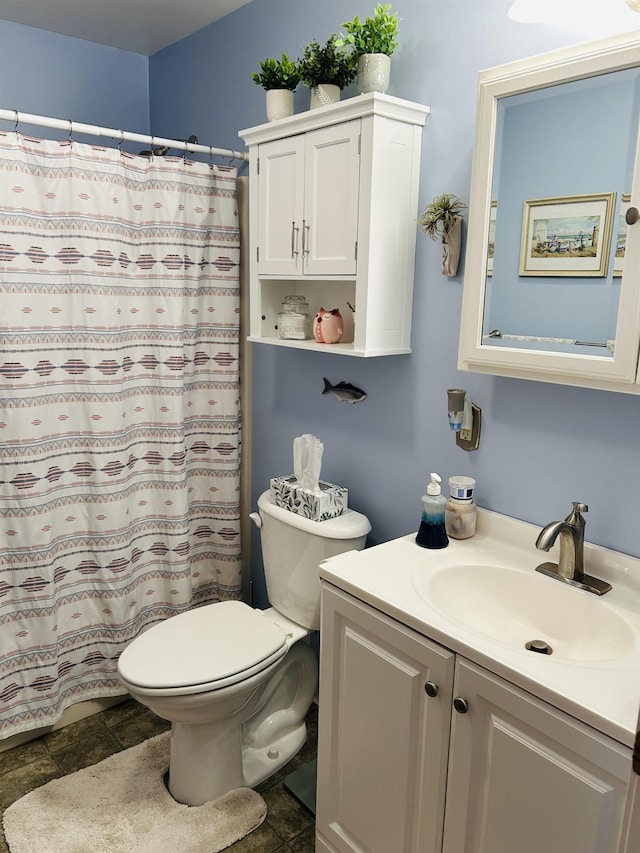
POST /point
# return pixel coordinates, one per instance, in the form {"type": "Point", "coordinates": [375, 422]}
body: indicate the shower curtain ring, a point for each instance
{"type": "Point", "coordinates": [70, 131]}
{"type": "Point", "coordinates": [121, 143]}
{"type": "Point", "coordinates": [16, 129]}
{"type": "Point", "coordinates": [211, 166]}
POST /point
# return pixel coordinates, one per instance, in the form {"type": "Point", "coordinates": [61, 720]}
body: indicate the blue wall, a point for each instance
{"type": "Point", "coordinates": [542, 445]}
{"type": "Point", "coordinates": [62, 77]}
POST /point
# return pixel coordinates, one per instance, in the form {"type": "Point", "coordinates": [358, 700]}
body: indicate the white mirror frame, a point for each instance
{"type": "Point", "coordinates": [617, 373]}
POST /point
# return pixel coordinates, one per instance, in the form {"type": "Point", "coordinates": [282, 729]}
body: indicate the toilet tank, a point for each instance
{"type": "Point", "coordinates": [292, 549]}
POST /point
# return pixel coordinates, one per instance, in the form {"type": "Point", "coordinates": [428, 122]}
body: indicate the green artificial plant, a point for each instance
{"type": "Point", "coordinates": [326, 63]}
{"type": "Point", "coordinates": [439, 216]}
{"type": "Point", "coordinates": [377, 34]}
{"type": "Point", "coordinates": [283, 73]}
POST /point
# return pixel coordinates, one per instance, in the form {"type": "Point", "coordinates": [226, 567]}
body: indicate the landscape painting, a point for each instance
{"type": "Point", "coordinates": [567, 236]}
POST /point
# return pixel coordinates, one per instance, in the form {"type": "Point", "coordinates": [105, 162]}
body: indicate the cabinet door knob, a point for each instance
{"type": "Point", "coordinates": [461, 705]}
{"type": "Point", "coordinates": [632, 215]}
{"type": "Point", "coordinates": [431, 689]}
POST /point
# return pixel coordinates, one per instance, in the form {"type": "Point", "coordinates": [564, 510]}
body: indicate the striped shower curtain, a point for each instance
{"type": "Point", "coordinates": [119, 410]}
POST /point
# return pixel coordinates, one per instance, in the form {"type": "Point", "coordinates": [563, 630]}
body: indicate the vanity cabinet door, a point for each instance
{"type": "Point", "coordinates": [383, 741]}
{"type": "Point", "coordinates": [526, 777]}
{"type": "Point", "coordinates": [308, 203]}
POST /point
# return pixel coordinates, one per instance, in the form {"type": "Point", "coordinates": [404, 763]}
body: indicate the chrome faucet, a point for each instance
{"type": "Point", "coordinates": [570, 566]}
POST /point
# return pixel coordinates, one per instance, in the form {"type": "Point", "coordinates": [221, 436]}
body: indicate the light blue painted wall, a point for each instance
{"type": "Point", "coordinates": [542, 445]}
{"type": "Point", "coordinates": [62, 77]}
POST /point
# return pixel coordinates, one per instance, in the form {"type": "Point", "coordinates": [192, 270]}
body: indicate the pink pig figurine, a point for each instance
{"type": "Point", "coordinates": [328, 326]}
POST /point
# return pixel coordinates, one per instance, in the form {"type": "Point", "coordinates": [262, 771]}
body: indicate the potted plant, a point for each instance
{"type": "Point", "coordinates": [444, 217]}
{"type": "Point", "coordinates": [326, 70]}
{"type": "Point", "coordinates": [372, 41]}
{"type": "Point", "coordinates": [279, 77]}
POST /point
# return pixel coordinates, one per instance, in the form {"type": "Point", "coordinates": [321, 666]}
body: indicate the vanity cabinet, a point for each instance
{"type": "Point", "coordinates": [333, 217]}
{"type": "Point", "coordinates": [422, 751]}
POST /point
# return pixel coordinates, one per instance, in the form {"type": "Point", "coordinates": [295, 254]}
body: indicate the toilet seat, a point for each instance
{"type": "Point", "coordinates": [203, 649]}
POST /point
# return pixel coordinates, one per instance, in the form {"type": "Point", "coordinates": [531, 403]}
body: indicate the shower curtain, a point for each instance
{"type": "Point", "coordinates": [119, 410]}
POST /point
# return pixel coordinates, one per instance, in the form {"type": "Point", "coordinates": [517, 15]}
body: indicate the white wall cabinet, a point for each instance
{"type": "Point", "coordinates": [333, 208]}
{"type": "Point", "coordinates": [420, 751]}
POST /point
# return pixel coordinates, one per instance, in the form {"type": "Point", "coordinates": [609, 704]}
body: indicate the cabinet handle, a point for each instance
{"type": "Point", "coordinates": [305, 237]}
{"type": "Point", "coordinates": [461, 705]}
{"type": "Point", "coordinates": [632, 215]}
{"type": "Point", "coordinates": [294, 240]}
{"type": "Point", "coordinates": [431, 689]}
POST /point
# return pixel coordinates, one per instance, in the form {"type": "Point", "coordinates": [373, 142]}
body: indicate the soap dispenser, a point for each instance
{"type": "Point", "coordinates": [432, 532]}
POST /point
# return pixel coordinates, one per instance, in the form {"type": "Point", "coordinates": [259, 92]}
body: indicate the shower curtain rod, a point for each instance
{"type": "Point", "coordinates": [120, 135]}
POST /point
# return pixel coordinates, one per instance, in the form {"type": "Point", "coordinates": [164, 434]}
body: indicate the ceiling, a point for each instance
{"type": "Point", "coordinates": [140, 26]}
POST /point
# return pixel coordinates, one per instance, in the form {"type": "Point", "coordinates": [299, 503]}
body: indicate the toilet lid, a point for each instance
{"type": "Point", "coordinates": [213, 646]}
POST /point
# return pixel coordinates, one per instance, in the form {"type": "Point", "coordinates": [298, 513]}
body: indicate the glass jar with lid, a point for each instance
{"type": "Point", "coordinates": [294, 320]}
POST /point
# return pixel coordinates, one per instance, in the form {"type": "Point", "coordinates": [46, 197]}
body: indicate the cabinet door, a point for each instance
{"type": "Point", "coordinates": [383, 741]}
{"type": "Point", "coordinates": [280, 206]}
{"type": "Point", "coordinates": [332, 177]}
{"type": "Point", "coordinates": [525, 777]}
{"type": "Point", "coordinates": [631, 824]}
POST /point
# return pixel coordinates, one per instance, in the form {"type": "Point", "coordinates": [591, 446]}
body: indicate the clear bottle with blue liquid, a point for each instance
{"type": "Point", "coordinates": [433, 531]}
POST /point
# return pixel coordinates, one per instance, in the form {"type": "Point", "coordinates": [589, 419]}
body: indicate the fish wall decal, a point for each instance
{"type": "Point", "coordinates": [344, 391]}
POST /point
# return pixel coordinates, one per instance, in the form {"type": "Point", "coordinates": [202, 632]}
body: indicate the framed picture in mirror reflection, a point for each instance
{"type": "Point", "coordinates": [621, 236]}
{"type": "Point", "coordinates": [492, 236]}
{"type": "Point", "coordinates": [567, 235]}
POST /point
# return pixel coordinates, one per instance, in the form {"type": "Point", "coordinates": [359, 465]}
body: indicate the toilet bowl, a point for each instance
{"type": "Point", "coordinates": [236, 683]}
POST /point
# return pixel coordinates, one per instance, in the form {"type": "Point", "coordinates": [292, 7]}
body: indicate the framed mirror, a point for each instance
{"type": "Point", "coordinates": [552, 275]}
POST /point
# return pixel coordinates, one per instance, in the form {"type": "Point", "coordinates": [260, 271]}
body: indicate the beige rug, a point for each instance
{"type": "Point", "coordinates": [121, 805]}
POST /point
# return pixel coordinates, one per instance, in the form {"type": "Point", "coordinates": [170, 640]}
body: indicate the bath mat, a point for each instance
{"type": "Point", "coordinates": [121, 805]}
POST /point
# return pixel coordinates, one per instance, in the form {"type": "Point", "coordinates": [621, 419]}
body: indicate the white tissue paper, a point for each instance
{"type": "Point", "coordinates": [307, 461]}
{"type": "Point", "coordinates": [305, 493]}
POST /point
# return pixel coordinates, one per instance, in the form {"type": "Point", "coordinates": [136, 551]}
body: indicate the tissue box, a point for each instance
{"type": "Point", "coordinates": [328, 501]}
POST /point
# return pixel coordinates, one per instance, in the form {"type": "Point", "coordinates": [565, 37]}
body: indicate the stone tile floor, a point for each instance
{"type": "Point", "coordinates": [289, 826]}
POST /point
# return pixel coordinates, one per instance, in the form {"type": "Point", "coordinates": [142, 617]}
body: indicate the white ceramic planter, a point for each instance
{"type": "Point", "coordinates": [279, 103]}
{"type": "Point", "coordinates": [373, 72]}
{"type": "Point", "coordinates": [323, 94]}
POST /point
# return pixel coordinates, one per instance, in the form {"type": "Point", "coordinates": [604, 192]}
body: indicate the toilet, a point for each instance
{"type": "Point", "coordinates": [236, 683]}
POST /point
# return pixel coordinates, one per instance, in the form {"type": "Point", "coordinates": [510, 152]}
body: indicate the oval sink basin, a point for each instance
{"type": "Point", "coordinates": [516, 608]}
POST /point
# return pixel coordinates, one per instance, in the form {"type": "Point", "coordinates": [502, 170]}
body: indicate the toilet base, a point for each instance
{"type": "Point", "coordinates": [208, 759]}
{"type": "Point", "coordinates": [260, 763]}
{"type": "Point", "coordinates": [195, 749]}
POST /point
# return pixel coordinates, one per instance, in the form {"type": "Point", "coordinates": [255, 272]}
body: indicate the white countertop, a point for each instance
{"type": "Point", "coordinates": [604, 694]}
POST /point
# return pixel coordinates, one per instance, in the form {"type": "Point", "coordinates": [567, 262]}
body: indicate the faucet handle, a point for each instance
{"type": "Point", "coordinates": [574, 516]}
